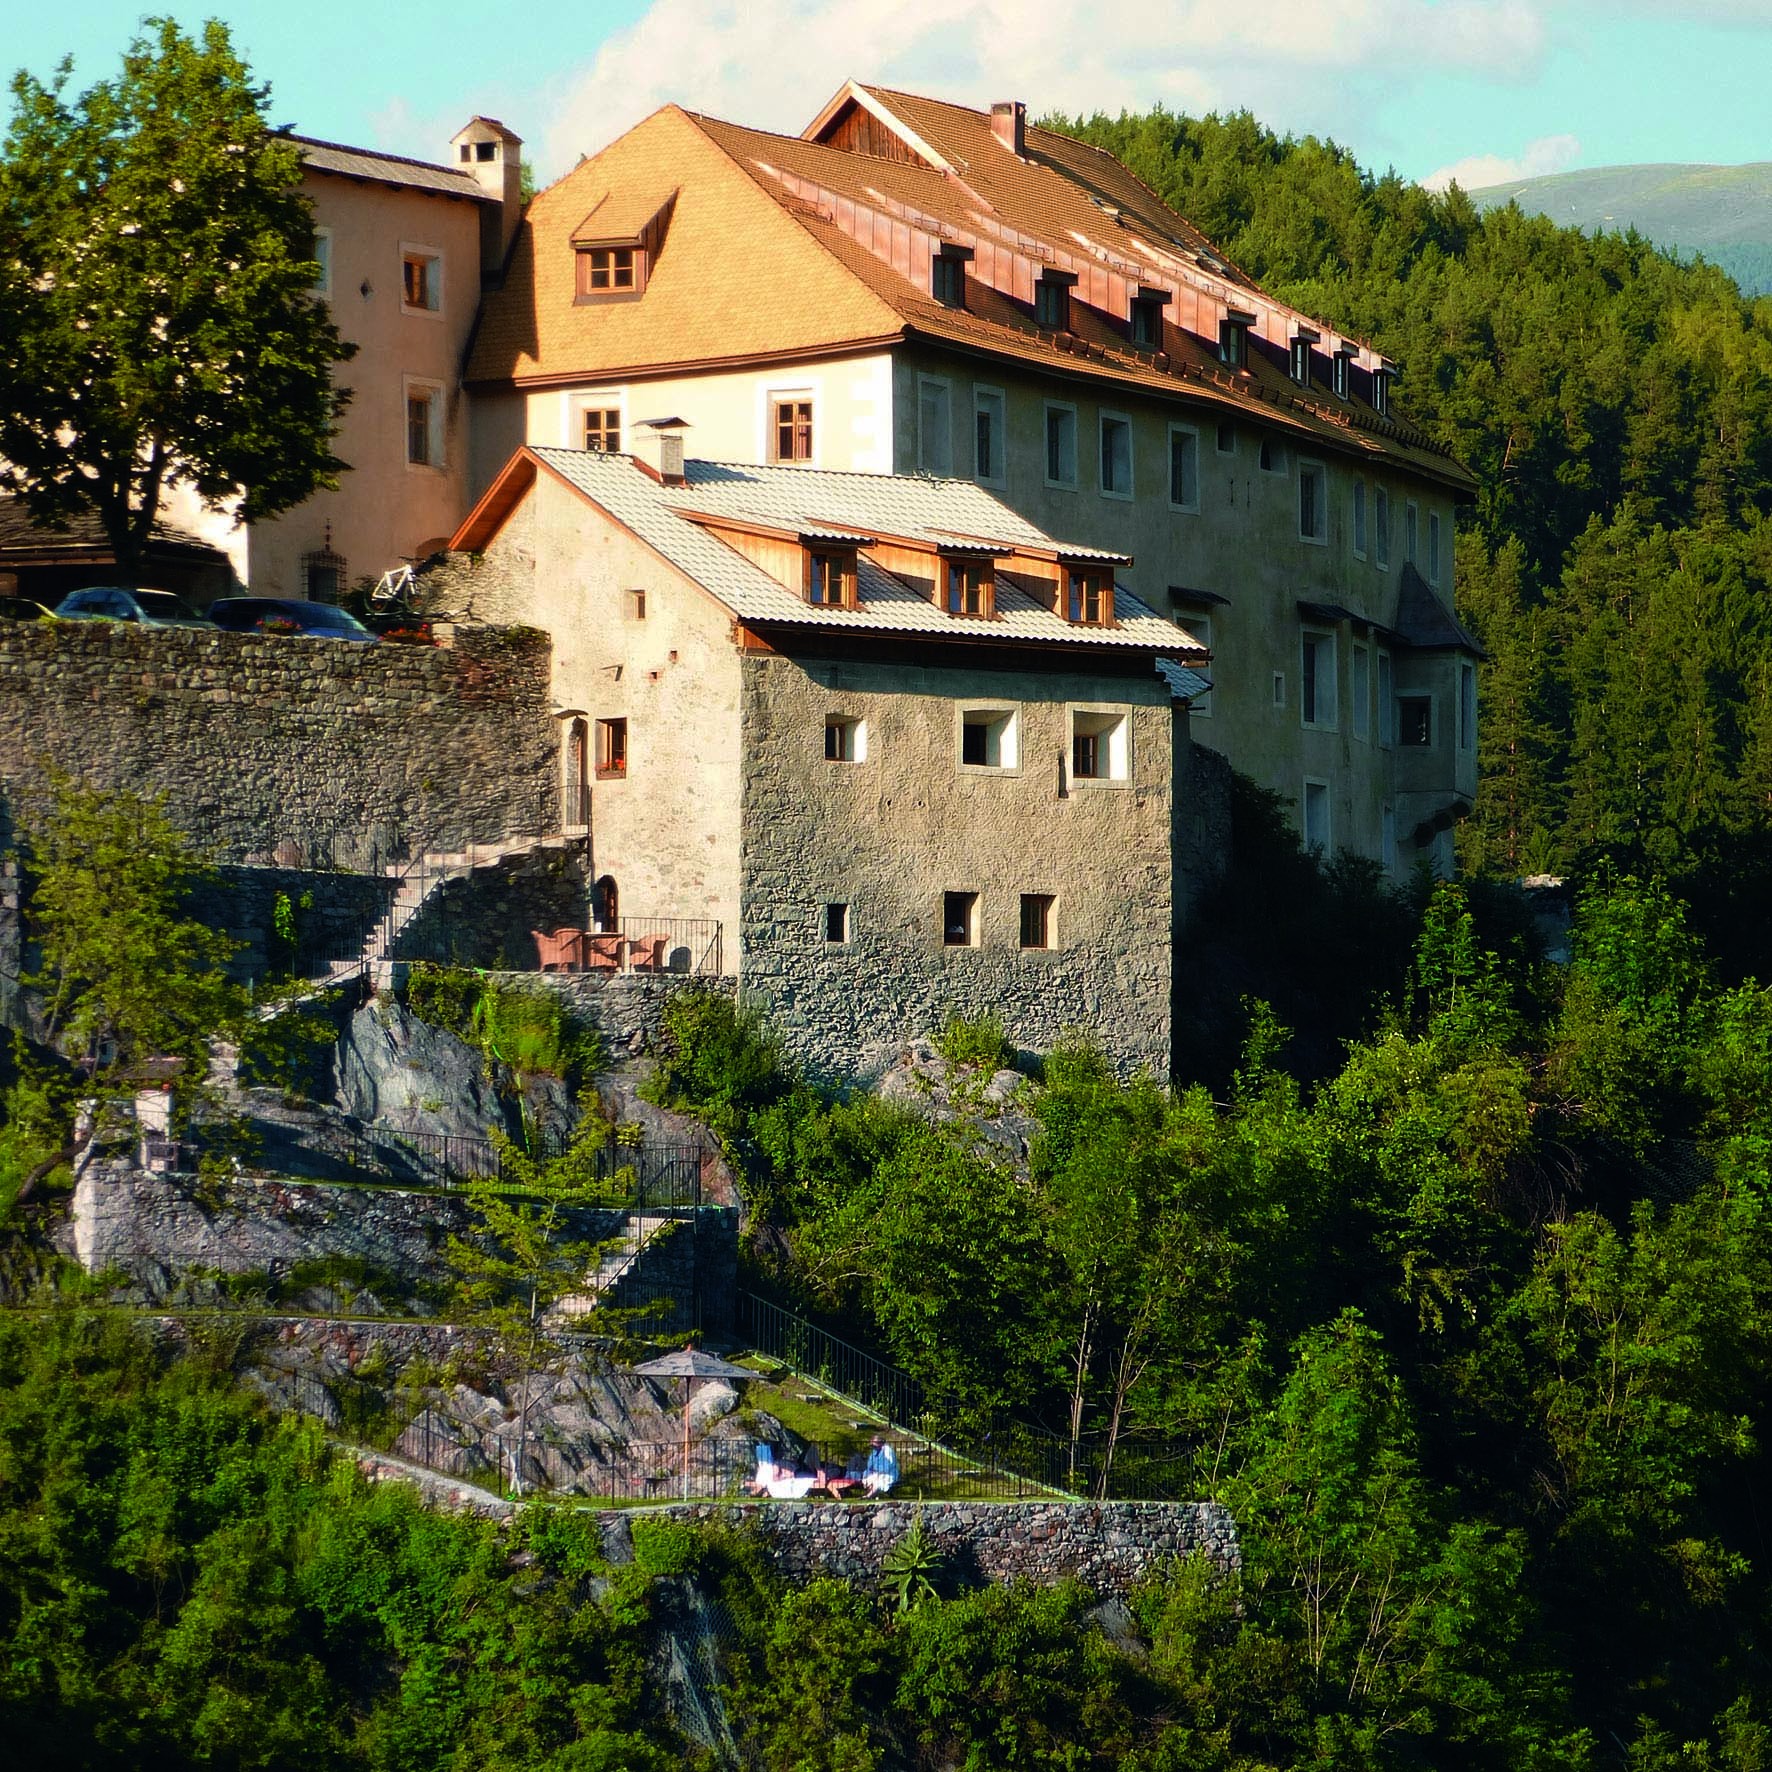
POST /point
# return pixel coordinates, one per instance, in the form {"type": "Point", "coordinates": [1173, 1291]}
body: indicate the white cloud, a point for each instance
{"type": "Point", "coordinates": [1300, 64]}
{"type": "Point", "coordinates": [1550, 153]}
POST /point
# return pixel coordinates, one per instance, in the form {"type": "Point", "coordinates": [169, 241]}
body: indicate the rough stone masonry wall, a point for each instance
{"type": "Point", "coordinates": [1109, 1546]}
{"type": "Point", "coordinates": [307, 752]}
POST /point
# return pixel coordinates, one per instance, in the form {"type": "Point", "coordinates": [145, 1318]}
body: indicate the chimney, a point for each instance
{"type": "Point", "coordinates": [658, 448]}
{"type": "Point", "coordinates": [493, 157]}
{"type": "Point", "coordinates": [1009, 124]}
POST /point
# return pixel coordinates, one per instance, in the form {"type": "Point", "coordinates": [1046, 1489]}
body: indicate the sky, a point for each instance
{"type": "Point", "coordinates": [1485, 90]}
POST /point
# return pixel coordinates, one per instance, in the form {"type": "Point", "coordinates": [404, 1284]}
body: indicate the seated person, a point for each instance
{"type": "Point", "coordinates": [778, 1481]}
{"type": "Point", "coordinates": [880, 1472]}
{"type": "Point", "coordinates": [759, 1484]}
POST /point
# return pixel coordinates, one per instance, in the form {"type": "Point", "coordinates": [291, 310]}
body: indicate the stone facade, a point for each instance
{"type": "Point", "coordinates": [301, 751]}
{"type": "Point", "coordinates": [888, 836]}
{"type": "Point", "coordinates": [1108, 1546]}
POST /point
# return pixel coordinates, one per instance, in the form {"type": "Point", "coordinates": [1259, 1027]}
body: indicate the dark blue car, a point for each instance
{"type": "Point", "coordinates": [287, 615]}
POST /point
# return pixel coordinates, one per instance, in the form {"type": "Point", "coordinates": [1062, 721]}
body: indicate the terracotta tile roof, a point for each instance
{"type": "Point", "coordinates": [735, 277]}
{"type": "Point", "coordinates": [389, 169]}
{"type": "Point", "coordinates": [808, 499]}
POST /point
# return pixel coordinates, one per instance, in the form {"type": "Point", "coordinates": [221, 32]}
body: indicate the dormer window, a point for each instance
{"type": "Point", "coordinates": [1089, 596]}
{"type": "Point", "coordinates": [1381, 391]}
{"type": "Point", "coordinates": [830, 577]}
{"type": "Point", "coordinates": [605, 272]}
{"type": "Point", "coordinates": [1339, 373]}
{"type": "Point", "coordinates": [1145, 318]}
{"type": "Point", "coordinates": [970, 586]}
{"type": "Point", "coordinates": [1300, 360]}
{"type": "Point", "coordinates": [1052, 301]}
{"type": "Point", "coordinates": [1233, 340]}
{"type": "Point", "coordinates": [947, 275]}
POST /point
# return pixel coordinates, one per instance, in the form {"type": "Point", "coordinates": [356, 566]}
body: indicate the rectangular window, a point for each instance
{"type": "Point", "coordinates": [791, 430]}
{"type": "Point", "coordinates": [830, 577]}
{"type": "Point", "coordinates": [1338, 373]}
{"type": "Point", "coordinates": [988, 459]}
{"type": "Point", "coordinates": [1061, 446]}
{"type": "Point", "coordinates": [322, 284]}
{"type": "Point", "coordinates": [1467, 707]}
{"type": "Point", "coordinates": [1279, 689]}
{"type": "Point", "coordinates": [1232, 346]}
{"type": "Point", "coordinates": [969, 587]}
{"type": "Point", "coordinates": [1381, 392]}
{"type": "Point", "coordinates": [421, 280]}
{"type": "Point", "coordinates": [1359, 519]}
{"type": "Point", "coordinates": [1415, 721]}
{"type": "Point", "coordinates": [1316, 816]}
{"type": "Point", "coordinates": [1052, 305]}
{"type": "Point", "coordinates": [636, 605]}
{"type": "Point", "coordinates": [603, 429]}
{"type": "Point", "coordinates": [1433, 547]}
{"type": "Point", "coordinates": [1089, 598]}
{"type": "Point", "coordinates": [1036, 919]}
{"type": "Point", "coordinates": [989, 738]}
{"type": "Point", "coordinates": [1116, 455]}
{"type": "Point", "coordinates": [1184, 468]}
{"type": "Point", "coordinates": [836, 923]}
{"type": "Point", "coordinates": [935, 426]}
{"type": "Point", "coordinates": [1146, 319]}
{"type": "Point", "coordinates": [1227, 438]}
{"type": "Point", "coordinates": [1301, 361]}
{"type": "Point", "coordinates": [1387, 703]}
{"type": "Point", "coordinates": [1200, 626]}
{"type": "Point", "coordinates": [612, 748]}
{"type": "Point", "coordinates": [1411, 521]}
{"type": "Point", "coordinates": [1359, 687]}
{"type": "Point", "coordinates": [959, 919]}
{"type": "Point", "coordinates": [611, 269]}
{"type": "Point", "coordinates": [1316, 682]}
{"type": "Point", "coordinates": [1098, 746]}
{"type": "Point", "coordinates": [845, 740]}
{"type": "Point", "coordinates": [424, 424]}
{"type": "Point", "coordinates": [947, 280]}
{"type": "Point", "coordinates": [1271, 457]}
{"type": "Point", "coordinates": [1313, 502]}
{"type": "Point", "coordinates": [1381, 523]}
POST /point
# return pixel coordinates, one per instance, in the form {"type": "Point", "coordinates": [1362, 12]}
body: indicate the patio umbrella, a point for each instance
{"type": "Point", "coordinates": [690, 1364]}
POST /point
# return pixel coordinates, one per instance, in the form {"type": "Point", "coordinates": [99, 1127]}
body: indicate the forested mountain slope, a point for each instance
{"type": "Point", "coordinates": [1616, 406]}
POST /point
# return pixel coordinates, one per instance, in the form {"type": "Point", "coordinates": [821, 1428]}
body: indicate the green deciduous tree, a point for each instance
{"type": "Point", "coordinates": [157, 321]}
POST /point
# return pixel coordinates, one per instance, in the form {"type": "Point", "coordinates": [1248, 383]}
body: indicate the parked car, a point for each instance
{"type": "Point", "coordinates": [152, 609]}
{"type": "Point", "coordinates": [287, 615]}
{"type": "Point", "coordinates": [23, 609]}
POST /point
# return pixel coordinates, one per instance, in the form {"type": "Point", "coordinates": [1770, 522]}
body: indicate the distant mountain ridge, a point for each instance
{"type": "Point", "coordinates": [1724, 212]}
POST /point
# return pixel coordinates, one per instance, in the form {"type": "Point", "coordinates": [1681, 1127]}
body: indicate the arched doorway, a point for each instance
{"type": "Point", "coordinates": [606, 905]}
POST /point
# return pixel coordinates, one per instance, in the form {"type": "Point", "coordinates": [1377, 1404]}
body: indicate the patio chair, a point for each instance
{"type": "Point", "coordinates": [563, 951]}
{"type": "Point", "coordinates": [648, 953]}
{"type": "Point", "coordinates": [602, 953]}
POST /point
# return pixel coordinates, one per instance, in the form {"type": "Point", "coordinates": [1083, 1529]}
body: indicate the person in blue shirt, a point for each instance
{"type": "Point", "coordinates": [880, 1472]}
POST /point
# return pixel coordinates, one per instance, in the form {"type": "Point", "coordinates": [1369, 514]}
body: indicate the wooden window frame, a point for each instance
{"type": "Point", "coordinates": [610, 273]}
{"type": "Point", "coordinates": [845, 739]}
{"type": "Point", "coordinates": [1233, 343]}
{"type": "Point", "coordinates": [1042, 905]}
{"type": "Point", "coordinates": [1088, 596]}
{"type": "Point", "coordinates": [791, 417]}
{"type": "Point", "coordinates": [612, 748]}
{"type": "Point", "coordinates": [1144, 323]}
{"type": "Point", "coordinates": [844, 562]}
{"type": "Point", "coordinates": [974, 578]}
{"type": "Point", "coordinates": [947, 279]}
{"type": "Point", "coordinates": [605, 431]}
{"type": "Point", "coordinates": [1052, 304]}
{"type": "Point", "coordinates": [412, 253]}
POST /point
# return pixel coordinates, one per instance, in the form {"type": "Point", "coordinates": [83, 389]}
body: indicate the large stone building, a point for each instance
{"type": "Point", "coordinates": [912, 287]}
{"type": "Point", "coordinates": [909, 752]}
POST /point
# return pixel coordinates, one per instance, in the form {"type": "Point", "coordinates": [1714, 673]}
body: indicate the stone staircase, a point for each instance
{"type": "Point", "coordinates": [638, 1245]}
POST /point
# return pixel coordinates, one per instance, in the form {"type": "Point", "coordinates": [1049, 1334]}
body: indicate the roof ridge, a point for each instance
{"type": "Point", "coordinates": [778, 467]}
{"type": "Point", "coordinates": [314, 141]}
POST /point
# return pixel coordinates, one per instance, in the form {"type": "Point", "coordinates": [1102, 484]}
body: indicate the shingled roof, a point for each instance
{"type": "Point", "coordinates": [391, 169]}
{"type": "Point", "coordinates": [938, 513]}
{"type": "Point", "coordinates": [783, 248]}
{"type": "Point", "coordinates": [80, 540]}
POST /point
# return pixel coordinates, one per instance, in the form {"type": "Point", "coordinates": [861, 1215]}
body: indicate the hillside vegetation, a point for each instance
{"type": "Point", "coordinates": [1616, 407]}
{"type": "Point", "coordinates": [1723, 212]}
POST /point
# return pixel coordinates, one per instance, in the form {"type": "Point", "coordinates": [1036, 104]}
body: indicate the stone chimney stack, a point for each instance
{"type": "Point", "coordinates": [1009, 124]}
{"type": "Point", "coordinates": [493, 157]}
{"type": "Point", "coordinates": [658, 448]}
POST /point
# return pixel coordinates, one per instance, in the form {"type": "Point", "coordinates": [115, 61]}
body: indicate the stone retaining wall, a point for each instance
{"type": "Point", "coordinates": [628, 1009]}
{"type": "Point", "coordinates": [305, 752]}
{"type": "Point", "coordinates": [1109, 1546]}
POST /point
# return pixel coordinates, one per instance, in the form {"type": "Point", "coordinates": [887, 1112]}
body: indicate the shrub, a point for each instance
{"type": "Point", "coordinates": [979, 1041]}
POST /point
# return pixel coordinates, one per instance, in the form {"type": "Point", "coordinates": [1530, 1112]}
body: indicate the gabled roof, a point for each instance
{"type": "Point", "coordinates": [917, 509]}
{"type": "Point", "coordinates": [389, 169]}
{"type": "Point", "coordinates": [81, 539]}
{"type": "Point", "coordinates": [1425, 622]}
{"type": "Point", "coordinates": [782, 247]}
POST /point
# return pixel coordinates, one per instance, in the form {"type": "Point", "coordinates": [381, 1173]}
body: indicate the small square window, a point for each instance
{"type": "Point", "coordinates": [421, 281]}
{"type": "Point", "coordinates": [612, 749]}
{"type": "Point", "coordinates": [1415, 721]}
{"type": "Point", "coordinates": [1036, 919]}
{"type": "Point", "coordinates": [1116, 455]}
{"type": "Point", "coordinates": [989, 738]}
{"type": "Point", "coordinates": [636, 605]}
{"type": "Point", "coordinates": [791, 432]}
{"type": "Point", "coordinates": [959, 919]}
{"type": "Point", "coordinates": [836, 923]}
{"type": "Point", "coordinates": [1061, 446]}
{"type": "Point", "coordinates": [603, 429]}
{"type": "Point", "coordinates": [845, 740]}
{"type": "Point", "coordinates": [607, 271]}
{"type": "Point", "coordinates": [1098, 747]}
{"type": "Point", "coordinates": [1227, 437]}
{"type": "Point", "coordinates": [485, 151]}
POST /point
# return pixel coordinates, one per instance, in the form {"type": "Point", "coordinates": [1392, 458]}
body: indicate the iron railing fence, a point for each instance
{"type": "Point", "coordinates": [671, 944]}
{"type": "Point", "coordinates": [815, 1353]}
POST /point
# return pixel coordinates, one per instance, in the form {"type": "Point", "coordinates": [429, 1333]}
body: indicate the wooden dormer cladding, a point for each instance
{"type": "Point", "coordinates": [617, 244]}
{"type": "Point", "coordinates": [856, 130]}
